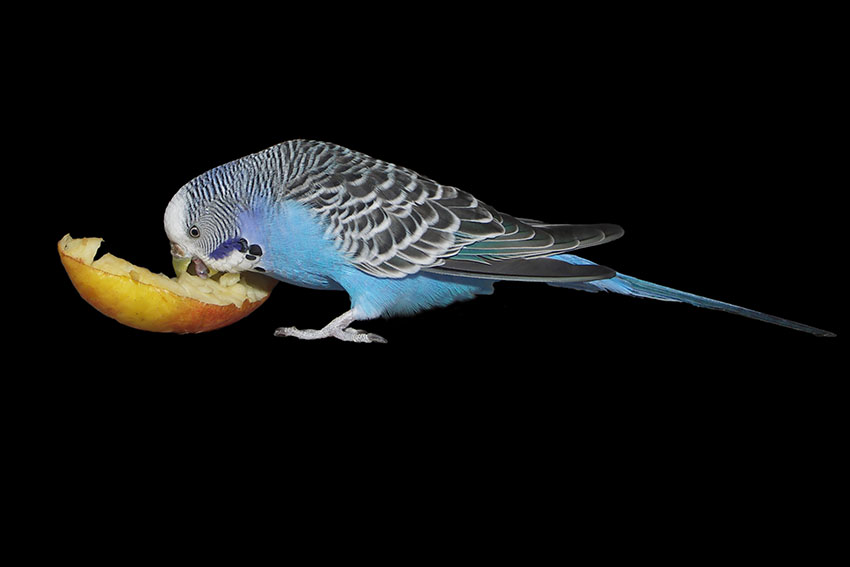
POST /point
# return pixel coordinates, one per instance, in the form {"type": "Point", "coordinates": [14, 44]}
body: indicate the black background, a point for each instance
{"type": "Point", "coordinates": [708, 141]}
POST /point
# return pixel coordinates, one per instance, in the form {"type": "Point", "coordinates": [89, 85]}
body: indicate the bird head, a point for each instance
{"type": "Point", "coordinates": [202, 225]}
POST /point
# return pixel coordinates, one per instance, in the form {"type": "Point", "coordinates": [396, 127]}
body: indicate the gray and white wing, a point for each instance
{"type": "Point", "coordinates": [390, 222]}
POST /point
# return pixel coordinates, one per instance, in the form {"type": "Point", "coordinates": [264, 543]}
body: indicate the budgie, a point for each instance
{"type": "Point", "coordinates": [322, 216]}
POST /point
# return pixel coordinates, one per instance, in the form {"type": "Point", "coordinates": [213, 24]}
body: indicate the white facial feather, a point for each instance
{"type": "Point", "coordinates": [175, 223]}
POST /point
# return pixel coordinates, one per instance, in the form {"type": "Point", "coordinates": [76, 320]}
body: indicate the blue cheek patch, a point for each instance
{"type": "Point", "coordinates": [229, 246]}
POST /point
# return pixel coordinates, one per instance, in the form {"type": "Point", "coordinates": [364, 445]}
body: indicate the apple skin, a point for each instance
{"type": "Point", "coordinates": [147, 307]}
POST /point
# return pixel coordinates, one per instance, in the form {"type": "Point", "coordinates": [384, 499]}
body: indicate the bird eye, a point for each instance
{"type": "Point", "coordinates": [194, 232]}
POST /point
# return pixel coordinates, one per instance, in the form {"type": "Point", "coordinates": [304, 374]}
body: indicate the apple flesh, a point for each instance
{"type": "Point", "coordinates": [139, 298]}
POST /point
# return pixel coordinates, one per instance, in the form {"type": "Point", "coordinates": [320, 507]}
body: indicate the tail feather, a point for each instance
{"type": "Point", "coordinates": [628, 285]}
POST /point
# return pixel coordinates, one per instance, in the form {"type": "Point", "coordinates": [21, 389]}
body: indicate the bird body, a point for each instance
{"type": "Point", "coordinates": [322, 216]}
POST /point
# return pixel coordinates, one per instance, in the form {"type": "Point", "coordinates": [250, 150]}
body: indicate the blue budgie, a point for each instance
{"type": "Point", "coordinates": [322, 216]}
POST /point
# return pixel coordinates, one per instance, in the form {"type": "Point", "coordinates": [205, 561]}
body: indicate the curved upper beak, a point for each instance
{"type": "Point", "coordinates": [200, 268]}
{"type": "Point", "coordinates": [183, 263]}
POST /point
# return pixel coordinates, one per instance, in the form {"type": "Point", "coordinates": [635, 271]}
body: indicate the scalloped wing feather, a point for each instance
{"type": "Point", "coordinates": [390, 221]}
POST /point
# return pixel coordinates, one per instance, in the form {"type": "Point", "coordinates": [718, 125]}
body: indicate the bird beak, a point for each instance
{"type": "Point", "coordinates": [182, 263]}
{"type": "Point", "coordinates": [200, 268]}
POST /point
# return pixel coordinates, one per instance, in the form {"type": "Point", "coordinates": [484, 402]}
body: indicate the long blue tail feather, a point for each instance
{"type": "Point", "coordinates": [635, 287]}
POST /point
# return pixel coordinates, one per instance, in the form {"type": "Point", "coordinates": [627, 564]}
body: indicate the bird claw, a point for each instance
{"type": "Point", "coordinates": [358, 336]}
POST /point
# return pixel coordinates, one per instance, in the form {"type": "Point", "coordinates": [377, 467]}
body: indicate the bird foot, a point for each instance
{"type": "Point", "coordinates": [349, 335]}
{"type": "Point", "coordinates": [337, 328]}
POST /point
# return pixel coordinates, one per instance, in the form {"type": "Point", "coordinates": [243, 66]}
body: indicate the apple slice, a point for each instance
{"type": "Point", "coordinates": [144, 300]}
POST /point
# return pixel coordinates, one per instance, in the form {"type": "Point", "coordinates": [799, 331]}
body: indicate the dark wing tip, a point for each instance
{"type": "Point", "coordinates": [531, 270]}
{"type": "Point", "coordinates": [612, 231]}
{"type": "Point", "coordinates": [585, 235]}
